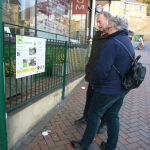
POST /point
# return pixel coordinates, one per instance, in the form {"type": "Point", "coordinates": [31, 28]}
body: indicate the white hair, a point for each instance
{"type": "Point", "coordinates": [119, 22]}
{"type": "Point", "coordinates": [106, 14]}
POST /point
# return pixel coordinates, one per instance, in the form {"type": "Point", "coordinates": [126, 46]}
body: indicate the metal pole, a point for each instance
{"type": "Point", "coordinates": [92, 18]}
{"type": "Point", "coordinates": [35, 18]}
{"type": "Point", "coordinates": [3, 133]}
{"type": "Point", "coordinates": [89, 18]}
{"type": "Point", "coordinates": [69, 21]}
{"type": "Point", "coordinates": [109, 4]}
{"type": "Point", "coordinates": [64, 70]}
{"type": "Point", "coordinates": [81, 22]}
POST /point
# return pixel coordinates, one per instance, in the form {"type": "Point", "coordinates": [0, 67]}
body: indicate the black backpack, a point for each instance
{"type": "Point", "coordinates": [135, 75]}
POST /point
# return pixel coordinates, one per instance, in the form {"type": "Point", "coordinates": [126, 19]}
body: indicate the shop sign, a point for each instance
{"type": "Point", "coordinates": [79, 6]}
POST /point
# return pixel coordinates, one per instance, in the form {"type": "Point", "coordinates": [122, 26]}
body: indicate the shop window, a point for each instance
{"type": "Point", "coordinates": [53, 16]}
{"type": "Point", "coordinates": [23, 17]}
{"type": "Point", "coordinates": [17, 13]}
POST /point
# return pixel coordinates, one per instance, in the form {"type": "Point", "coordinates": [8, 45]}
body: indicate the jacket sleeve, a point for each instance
{"type": "Point", "coordinates": [97, 43]}
{"type": "Point", "coordinates": [104, 63]}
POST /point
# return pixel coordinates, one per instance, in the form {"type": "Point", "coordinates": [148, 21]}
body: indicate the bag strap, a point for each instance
{"type": "Point", "coordinates": [125, 48]}
{"type": "Point", "coordinates": [134, 59]}
{"type": "Point", "coordinates": [120, 75]}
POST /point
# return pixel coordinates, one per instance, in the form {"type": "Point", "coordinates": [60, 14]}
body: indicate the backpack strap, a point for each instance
{"type": "Point", "coordinates": [125, 48]}
{"type": "Point", "coordinates": [117, 70]}
{"type": "Point", "coordinates": [134, 59]}
{"type": "Point", "coordinates": [120, 75]}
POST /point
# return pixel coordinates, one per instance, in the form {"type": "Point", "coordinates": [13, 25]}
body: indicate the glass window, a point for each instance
{"type": "Point", "coordinates": [11, 10]}
{"type": "Point", "coordinates": [19, 13]}
{"type": "Point", "coordinates": [22, 17]}
{"type": "Point", "coordinates": [53, 16]}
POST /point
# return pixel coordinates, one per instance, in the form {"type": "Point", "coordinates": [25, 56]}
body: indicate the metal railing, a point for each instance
{"type": "Point", "coordinates": [28, 31]}
{"type": "Point", "coordinates": [65, 61]}
{"type": "Point", "coordinates": [3, 130]}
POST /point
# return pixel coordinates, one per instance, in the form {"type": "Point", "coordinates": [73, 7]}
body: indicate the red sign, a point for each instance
{"type": "Point", "coordinates": [79, 6]}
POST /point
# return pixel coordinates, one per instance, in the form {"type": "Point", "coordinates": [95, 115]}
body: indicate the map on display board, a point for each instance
{"type": "Point", "coordinates": [30, 56]}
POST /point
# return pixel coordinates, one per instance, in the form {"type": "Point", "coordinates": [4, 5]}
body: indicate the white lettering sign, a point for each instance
{"type": "Point", "coordinates": [79, 7]}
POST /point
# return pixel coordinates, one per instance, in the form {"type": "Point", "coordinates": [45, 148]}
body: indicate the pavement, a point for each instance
{"type": "Point", "coordinates": [60, 127]}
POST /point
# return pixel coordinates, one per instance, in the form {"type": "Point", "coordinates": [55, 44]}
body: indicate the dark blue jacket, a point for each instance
{"type": "Point", "coordinates": [105, 79]}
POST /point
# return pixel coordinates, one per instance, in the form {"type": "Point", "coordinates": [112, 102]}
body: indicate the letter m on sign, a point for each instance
{"type": "Point", "coordinates": [79, 6]}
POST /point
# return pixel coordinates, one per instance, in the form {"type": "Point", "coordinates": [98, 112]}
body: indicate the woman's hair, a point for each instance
{"type": "Point", "coordinates": [119, 22]}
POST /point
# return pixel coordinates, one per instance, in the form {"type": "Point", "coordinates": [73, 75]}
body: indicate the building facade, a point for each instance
{"type": "Point", "coordinates": [44, 18]}
{"type": "Point", "coordinates": [135, 11]}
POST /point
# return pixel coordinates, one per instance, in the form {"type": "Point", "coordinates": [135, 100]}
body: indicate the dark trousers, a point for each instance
{"type": "Point", "coordinates": [89, 95]}
{"type": "Point", "coordinates": [103, 104]}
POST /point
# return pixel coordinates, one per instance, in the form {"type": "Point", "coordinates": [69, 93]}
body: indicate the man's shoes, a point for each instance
{"type": "Point", "coordinates": [103, 146]}
{"type": "Point", "coordinates": [82, 120]}
{"type": "Point", "coordinates": [77, 146]}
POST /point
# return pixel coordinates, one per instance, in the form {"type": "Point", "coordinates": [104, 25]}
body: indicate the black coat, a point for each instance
{"type": "Point", "coordinates": [97, 42]}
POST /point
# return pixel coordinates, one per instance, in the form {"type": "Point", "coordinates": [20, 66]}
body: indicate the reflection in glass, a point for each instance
{"type": "Point", "coordinates": [22, 17]}
{"type": "Point", "coordinates": [53, 16]}
{"type": "Point", "coordinates": [19, 12]}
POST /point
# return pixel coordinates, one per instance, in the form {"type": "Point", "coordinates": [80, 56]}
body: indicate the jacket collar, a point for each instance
{"type": "Point", "coordinates": [121, 32]}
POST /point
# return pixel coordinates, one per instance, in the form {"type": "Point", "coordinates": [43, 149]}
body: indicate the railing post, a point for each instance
{"type": "Point", "coordinates": [56, 36]}
{"type": "Point", "coordinates": [64, 70]}
{"type": "Point", "coordinates": [35, 18]}
{"type": "Point", "coordinates": [3, 133]}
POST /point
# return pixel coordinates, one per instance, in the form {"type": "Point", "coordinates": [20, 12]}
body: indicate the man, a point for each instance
{"type": "Point", "coordinates": [108, 91]}
{"type": "Point", "coordinates": [97, 42]}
